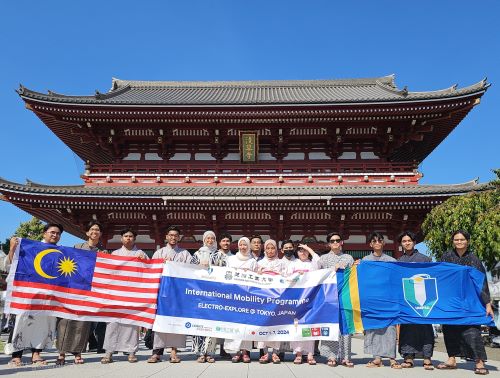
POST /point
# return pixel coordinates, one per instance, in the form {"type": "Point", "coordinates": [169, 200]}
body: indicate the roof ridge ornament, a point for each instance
{"type": "Point", "coordinates": [392, 88]}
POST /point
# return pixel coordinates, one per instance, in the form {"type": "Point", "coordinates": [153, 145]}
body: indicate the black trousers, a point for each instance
{"type": "Point", "coordinates": [96, 336]}
{"type": "Point", "coordinates": [464, 341]}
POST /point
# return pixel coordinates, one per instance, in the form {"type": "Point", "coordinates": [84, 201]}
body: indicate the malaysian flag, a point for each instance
{"type": "Point", "coordinates": [82, 285]}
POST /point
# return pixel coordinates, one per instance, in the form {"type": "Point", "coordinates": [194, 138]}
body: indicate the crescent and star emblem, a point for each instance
{"type": "Point", "coordinates": [66, 266]}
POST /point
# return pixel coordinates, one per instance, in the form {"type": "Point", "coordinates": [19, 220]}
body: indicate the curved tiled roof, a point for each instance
{"type": "Point", "coordinates": [250, 192]}
{"type": "Point", "coordinates": [273, 92]}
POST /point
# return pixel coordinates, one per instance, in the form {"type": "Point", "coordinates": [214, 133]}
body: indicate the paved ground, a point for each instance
{"type": "Point", "coordinates": [190, 368]}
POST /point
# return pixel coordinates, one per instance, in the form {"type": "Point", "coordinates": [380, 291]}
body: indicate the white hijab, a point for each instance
{"type": "Point", "coordinates": [212, 247]}
{"type": "Point", "coordinates": [240, 255]}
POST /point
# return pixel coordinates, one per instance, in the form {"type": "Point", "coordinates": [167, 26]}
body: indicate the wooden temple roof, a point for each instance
{"type": "Point", "coordinates": [252, 93]}
{"type": "Point", "coordinates": [240, 193]}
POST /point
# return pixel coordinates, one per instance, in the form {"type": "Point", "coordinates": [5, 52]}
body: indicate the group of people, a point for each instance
{"type": "Point", "coordinates": [414, 341]}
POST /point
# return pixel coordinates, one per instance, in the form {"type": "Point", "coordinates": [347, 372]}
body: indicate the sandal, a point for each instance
{"type": "Point", "coordinates": [428, 366]}
{"type": "Point", "coordinates": [373, 364]}
{"type": "Point", "coordinates": [311, 361]}
{"type": "Point", "coordinates": [15, 363]}
{"type": "Point", "coordinates": [79, 360]}
{"type": "Point", "coordinates": [407, 364]}
{"type": "Point", "coordinates": [246, 359]}
{"type": "Point", "coordinates": [481, 371]}
{"type": "Point", "coordinates": [210, 359]}
{"type": "Point", "coordinates": [348, 364]}
{"type": "Point", "coordinates": [264, 359]}
{"type": "Point", "coordinates": [106, 360]}
{"type": "Point", "coordinates": [444, 366]}
{"type": "Point", "coordinates": [332, 362]}
{"type": "Point", "coordinates": [174, 360]}
{"type": "Point", "coordinates": [201, 359]}
{"type": "Point", "coordinates": [276, 359]}
{"type": "Point", "coordinates": [154, 359]}
{"type": "Point", "coordinates": [298, 360]}
{"type": "Point", "coordinates": [236, 359]}
{"type": "Point", "coordinates": [394, 365]}
{"type": "Point", "coordinates": [42, 362]}
{"type": "Point", "coordinates": [132, 358]}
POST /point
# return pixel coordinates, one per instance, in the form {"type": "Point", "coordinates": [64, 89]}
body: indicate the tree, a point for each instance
{"type": "Point", "coordinates": [478, 213]}
{"type": "Point", "coordinates": [32, 229]}
{"type": "Point", "coordinates": [5, 245]}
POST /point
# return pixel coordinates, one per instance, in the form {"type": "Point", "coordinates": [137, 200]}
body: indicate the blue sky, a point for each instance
{"type": "Point", "coordinates": [76, 47]}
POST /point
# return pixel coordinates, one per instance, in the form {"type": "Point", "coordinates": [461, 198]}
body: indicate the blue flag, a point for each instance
{"type": "Point", "coordinates": [376, 295]}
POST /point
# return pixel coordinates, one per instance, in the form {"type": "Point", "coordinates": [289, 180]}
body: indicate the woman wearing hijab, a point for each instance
{"type": "Point", "coordinates": [270, 264]}
{"type": "Point", "coordinates": [205, 256]}
{"type": "Point", "coordinates": [307, 261]}
{"type": "Point", "coordinates": [243, 259]}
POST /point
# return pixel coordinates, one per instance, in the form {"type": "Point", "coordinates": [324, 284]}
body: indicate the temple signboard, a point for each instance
{"type": "Point", "coordinates": [249, 146]}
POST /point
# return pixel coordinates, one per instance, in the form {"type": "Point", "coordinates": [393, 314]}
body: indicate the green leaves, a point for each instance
{"type": "Point", "coordinates": [477, 213]}
{"type": "Point", "coordinates": [32, 229]}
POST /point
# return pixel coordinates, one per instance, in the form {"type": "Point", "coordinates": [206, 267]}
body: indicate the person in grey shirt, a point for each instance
{"type": "Point", "coordinates": [336, 350]}
{"type": "Point", "coordinates": [380, 342]}
{"type": "Point", "coordinates": [171, 252]}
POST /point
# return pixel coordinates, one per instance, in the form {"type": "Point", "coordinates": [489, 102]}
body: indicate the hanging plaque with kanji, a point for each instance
{"type": "Point", "coordinates": [249, 146]}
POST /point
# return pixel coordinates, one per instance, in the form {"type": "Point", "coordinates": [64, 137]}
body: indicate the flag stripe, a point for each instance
{"type": "Point", "coordinates": [126, 284]}
{"type": "Point", "coordinates": [98, 294]}
{"type": "Point", "coordinates": [346, 302]}
{"type": "Point", "coordinates": [89, 296]}
{"type": "Point", "coordinates": [354, 293]}
{"type": "Point", "coordinates": [125, 288]}
{"type": "Point", "coordinates": [75, 309]}
{"type": "Point", "coordinates": [79, 302]}
{"type": "Point", "coordinates": [80, 312]}
{"type": "Point", "coordinates": [126, 268]}
{"type": "Point", "coordinates": [132, 276]}
{"type": "Point", "coordinates": [109, 258]}
{"type": "Point", "coordinates": [119, 292]}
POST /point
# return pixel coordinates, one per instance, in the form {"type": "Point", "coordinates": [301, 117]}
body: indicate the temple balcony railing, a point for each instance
{"type": "Point", "coordinates": [236, 168]}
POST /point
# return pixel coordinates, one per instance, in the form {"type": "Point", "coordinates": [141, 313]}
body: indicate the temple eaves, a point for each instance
{"type": "Point", "coordinates": [248, 93]}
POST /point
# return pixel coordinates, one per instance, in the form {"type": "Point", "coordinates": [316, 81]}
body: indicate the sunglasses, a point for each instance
{"type": "Point", "coordinates": [335, 240]}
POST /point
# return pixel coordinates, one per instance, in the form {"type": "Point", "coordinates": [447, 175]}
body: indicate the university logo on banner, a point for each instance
{"type": "Point", "coordinates": [420, 292]}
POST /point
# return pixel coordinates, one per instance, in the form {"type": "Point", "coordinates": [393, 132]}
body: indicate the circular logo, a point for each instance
{"type": "Point", "coordinates": [187, 325]}
{"type": "Point", "coordinates": [253, 332]}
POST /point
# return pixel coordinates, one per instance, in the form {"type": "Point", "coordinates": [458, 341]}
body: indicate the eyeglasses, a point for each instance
{"type": "Point", "coordinates": [335, 240]}
{"type": "Point", "coordinates": [377, 241]}
{"type": "Point", "coordinates": [459, 240]}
